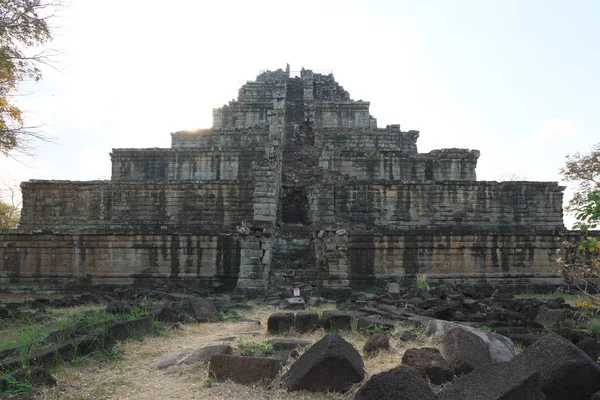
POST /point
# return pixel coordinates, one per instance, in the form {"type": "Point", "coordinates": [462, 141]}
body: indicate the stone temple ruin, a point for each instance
{"type": "Point", "coordinates": [293, 183]}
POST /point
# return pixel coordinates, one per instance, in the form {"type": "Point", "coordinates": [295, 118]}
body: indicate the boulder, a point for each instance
{"type": "Point", "coordinates": [400, 383]}
{"type": "Point", "coordinates": [243, 369]}
{"type": "Point", "coordinates": [203, 310]}
{"type": "Point", "coordinates": [306, 321]}
{"type": "Point", "coordinates": [465, 351]}
{"type": "Point", "coordinates": [500, 347]}
{"type": "Point", "coordinates": [496, 381]}
{"type": "Point", "coordinates": [280, 323]}
{"type": "Point", "coordinates": [377, 342]}
{"type": "Point", "coordinates": [330, 365]}
{"type": "Point", "coordinates": [566, 371]}
{"type": "Point", "coordinates": [429, 363]}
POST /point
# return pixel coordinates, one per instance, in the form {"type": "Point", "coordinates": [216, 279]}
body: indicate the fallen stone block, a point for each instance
{"type": "Point", "coordinates": [288, 344]}
{"type": "Point", "coordinates": [430, 364]}
{"type": "Point", "coordinates": [366, 324]}
{"type": "Point", "coordinates": [400, 383]}
{"type": "Point", "coordinates": [280, 323]}
{"type": "Point", "coordinates": [306, 321]}
{"type": "Point", "coordinates": [497, 381]}
{"type": "Point", "coordinates": [499, 347]}
{"type": "Point", "coordinates": [292, 303]}
{"type": "Point", "coordinates": [243, 369]}
{"type": "Point", "coordinates": [465, 351]}
{"type": "Point", "coordinates": [566, 371]}
{"type": "Point", "coordinates": [203, 310]}
{"type": "Point", "coordinates": [335, 321]}
{"type": "Point", "coordinates": [330, 365]}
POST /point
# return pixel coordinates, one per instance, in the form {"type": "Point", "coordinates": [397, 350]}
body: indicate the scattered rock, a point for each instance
{"type": "Point", "coordinates": [366, 324]}
{"type": "Point", "coordinates": [118, 307]}
{"type": "Point", "coordinates": [408, 336]}
{"type": "Point", "coordinates": [35, 376]}
{"type": "Point", "coordinates": [243, 369]}
{"type": "Point", "coordinates": [377, 342]}
{"type": "Point", "coordinates": [549, 317]}
{"type": "Point", "coordinates": [566, 371]}
{"type": "Point", "coordinates": [280, 323]}
{"type": "Point", "coordinates": [400, 383]}
{"type": "Point", "coordinates": [203, 310]}
{"type": "Point", "coordinates": [288, 344]}
{"type": "Point", "coordinates": [292, 303]}
{"type": "Point", "coordinates": [205, 354]}
{"type": "Point", "coordinates": [464, 350]}
{"type": "Point", "coordinates": [429, 363]}
{"type": "Point", "coordinates": [330, 365]}
{"type": "Point", "coordinates": [497, 381]}
{"type": "Point", "coordinates": [173, 359]}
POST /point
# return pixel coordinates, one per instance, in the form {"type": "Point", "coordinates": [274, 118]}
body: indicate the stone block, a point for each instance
{"type": "Point", "coordinates": [306, 321]}
{"type": "Point", "coordinates": [335, 321]}
{"type": "Point", "coordinates": [279, 323]}
{"type": "Point", "coordinates": [243, 369]}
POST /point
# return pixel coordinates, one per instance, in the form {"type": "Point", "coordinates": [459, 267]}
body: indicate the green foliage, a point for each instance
{"type": "Point", "coordinates": [280, 112]}
{"type": "Point", "coordinates": [13, 386]}
{"type": "Point", "coordinates": [488, 329]}
{"type": "Point", "coordinates": [374, 328]}
{"type": "Point", "coordinates": [228, 314]}
{"type": "Point", "coordinates": [422, 281]}
{"type": "Point", "coordinates": [108, 354]}
{"type": "Point", "coordinates": [262, 348]}
{"type": "Point", "coordinates": [587, 215]}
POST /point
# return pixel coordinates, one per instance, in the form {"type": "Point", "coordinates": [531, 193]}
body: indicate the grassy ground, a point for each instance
{"type": "Point", "coordinates": [129, 371]}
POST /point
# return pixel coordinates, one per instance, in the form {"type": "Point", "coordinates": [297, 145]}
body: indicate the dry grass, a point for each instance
{"type": "Point", "coordinates": [135, 376]}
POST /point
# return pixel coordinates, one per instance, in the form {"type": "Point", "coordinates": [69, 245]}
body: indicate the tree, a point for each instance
{"type": "Point", "coordinates": [585, 171]}
{"type": "Point", "coordinates": [9, 216]}
{"type": "Point", "coordinates": [10, 206]}
{"type": "Point", "coordinates": [23, 28]}
{"type": "Point", "coordinates": [579, 260]}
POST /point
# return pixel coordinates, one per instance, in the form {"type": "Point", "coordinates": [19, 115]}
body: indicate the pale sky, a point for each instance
{"type": "Point", "coordinates": [516, 79]}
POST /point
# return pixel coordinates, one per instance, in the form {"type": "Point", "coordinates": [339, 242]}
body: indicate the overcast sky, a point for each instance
{"type": "Point", "coordinates": [516, 79]}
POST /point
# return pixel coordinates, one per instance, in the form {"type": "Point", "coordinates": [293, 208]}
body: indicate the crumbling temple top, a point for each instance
{"type": "Point", "coordinates": [293, 182]}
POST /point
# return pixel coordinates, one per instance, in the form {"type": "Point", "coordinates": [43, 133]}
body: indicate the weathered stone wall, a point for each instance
{"type": "Point", "coordinates": [367, 140]}
{"type": "Point", "coordinates": [188, 164]}
{"type": "Point", "coordinates": [359, 259]}
{"type": "Point", "coordinates": [437, 166]}
{"type": "Point", "coordinates": [97, 206]}
{"type": "Point", "coordinates": [73, 262]}
{"type": "Point", "coordinates": [445, 205]}
{"type": "Point", "coordinates": [210, 139]}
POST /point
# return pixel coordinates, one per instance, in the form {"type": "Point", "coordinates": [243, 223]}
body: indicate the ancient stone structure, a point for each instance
{"type": "Point", "coordinates": [293, 183]}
